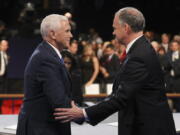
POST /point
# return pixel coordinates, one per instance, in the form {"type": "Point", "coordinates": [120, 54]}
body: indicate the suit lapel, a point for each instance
{"type": "Point", "coordinates": [128, 57]}
{"type": "Point", "coordinates": [51, 50]}
{"type": "Point", "coordinates": [136, 44]}
{"type": "Point", "coordinates": [55, 55]}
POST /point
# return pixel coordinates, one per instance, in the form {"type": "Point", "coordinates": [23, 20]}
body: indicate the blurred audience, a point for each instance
{"type": "Point", "coordinates": [94, 36]}
{"type": "Point", "coordinates": [89, 66]}
{"type": "Point", "coordinates": [155, 45]}
{"type": "Point", "coordinates": [72, 23]}
{"type": "Point", "coordinates": [177, 38]}
{"type": "Point", "coordinates": [4, 32]}
{"type": "Point", "coordinates": [70, 63]}
{"type": "Point", "coordinates": [91, 60]}
{"type": "Point", "coordinates": [109, 64]}
{"type": "Point", "coordinates": [175, 72]}
{"type": "Point", "coordinates": [165, 39]}
{"type": "Point", "coordinates": [149, 35]}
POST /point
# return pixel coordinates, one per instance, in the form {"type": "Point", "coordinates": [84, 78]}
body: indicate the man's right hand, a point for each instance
{"type": "Point", "coordinates": [69, 114]}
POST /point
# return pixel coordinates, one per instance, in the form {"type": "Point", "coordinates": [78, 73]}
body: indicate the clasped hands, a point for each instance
{"type": "Point", "coordinates": [69, 114]}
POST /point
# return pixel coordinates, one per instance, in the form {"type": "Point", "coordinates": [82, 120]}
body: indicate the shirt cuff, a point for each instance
{"type": "Point", "coordinates": [85, 115]}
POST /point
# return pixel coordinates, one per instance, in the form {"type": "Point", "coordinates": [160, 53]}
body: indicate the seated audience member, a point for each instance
{"type": "Point", "coordinates": [70, 64]}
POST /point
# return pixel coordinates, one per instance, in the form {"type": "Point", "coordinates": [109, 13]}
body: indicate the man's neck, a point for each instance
{"type": "Point", "coordinates": [133, 36]}
{"type": "Point", "coordinates": [53, 44]}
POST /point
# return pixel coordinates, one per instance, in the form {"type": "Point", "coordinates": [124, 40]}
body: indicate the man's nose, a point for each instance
{"type": "Point", "coordinates": [113, 33]}
{"type": "Point", "coordinates": [71, 35]}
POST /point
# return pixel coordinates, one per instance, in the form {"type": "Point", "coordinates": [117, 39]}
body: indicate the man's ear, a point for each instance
{"type": "Point", "coordinates": [52, 34]}
{"type": "Point", "coordinates": [127, 28]}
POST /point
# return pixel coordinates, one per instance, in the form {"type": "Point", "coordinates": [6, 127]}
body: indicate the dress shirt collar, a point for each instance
{"type": "Point", "coordinates": [110, 56]}
{"type": "Point", "coordinates": [131, 43]}
{"type": "Point", "coordinates": [56, 50]}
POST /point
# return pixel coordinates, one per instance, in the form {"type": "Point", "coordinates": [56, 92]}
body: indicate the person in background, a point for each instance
{"type": "Point", "coordinates": [161, 53]}
{"type": "Point", "coordinates": [165, 39]}
{"type": "Point", "coordinates": [73, 49]}
{"type": "Point", "coordinates": [89, 66]}
{"type": "Point", "coordinates": [176, 38]}
{"type": "Point", "coordinates": [149, 35]}
{"type": "Point", "coordinates": [155, 45]}
{"type": "Point", "coordinates": [70, 63]}
{"type": "Point", "coordinates": [4, 59]}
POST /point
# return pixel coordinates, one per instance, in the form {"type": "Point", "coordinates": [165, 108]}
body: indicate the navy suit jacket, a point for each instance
{"type": "Point", "coordinates": [47, 85]}
{"type": "Point", "coordinates": [138, 95]}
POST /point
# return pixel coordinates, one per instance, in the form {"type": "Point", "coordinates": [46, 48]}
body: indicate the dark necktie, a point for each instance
{"type": "Point", "coordinates": [61, 60]}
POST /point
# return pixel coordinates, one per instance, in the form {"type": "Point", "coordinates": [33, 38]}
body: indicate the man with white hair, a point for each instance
{"type": "Point", "coordinates": [47, 84]}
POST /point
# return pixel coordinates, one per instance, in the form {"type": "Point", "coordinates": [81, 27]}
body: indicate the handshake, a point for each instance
{"type": "Point", "coordinates": [70, 114]}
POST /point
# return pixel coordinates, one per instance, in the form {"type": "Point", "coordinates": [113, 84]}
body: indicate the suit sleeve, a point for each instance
{"type": "Point", "coordinates": [135, 74]}
{"type": "Point", "coordinates": [51, 77]}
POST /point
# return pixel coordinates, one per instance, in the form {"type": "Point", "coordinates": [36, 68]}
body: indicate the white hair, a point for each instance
{"type": "Point", "coordinates": [51, 22]}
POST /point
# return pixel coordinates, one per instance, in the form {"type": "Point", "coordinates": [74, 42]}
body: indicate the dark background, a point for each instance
{"type": "Point", "coordinates": [161, 15]}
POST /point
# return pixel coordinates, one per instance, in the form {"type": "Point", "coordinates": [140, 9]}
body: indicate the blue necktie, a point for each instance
{"type": "Point", "coordinates": [61, 60]}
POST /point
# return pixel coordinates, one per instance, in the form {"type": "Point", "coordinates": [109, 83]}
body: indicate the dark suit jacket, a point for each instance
{"type": "Point", "coordinates": [138, 95]}
{"type": "Point", "coordinates": [46, 86]}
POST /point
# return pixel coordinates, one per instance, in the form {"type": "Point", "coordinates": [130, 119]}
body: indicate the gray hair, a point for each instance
{"type": "Point", "coordinates": [133, 17]}
{"type": "Point", "coordinates": [51, 22]}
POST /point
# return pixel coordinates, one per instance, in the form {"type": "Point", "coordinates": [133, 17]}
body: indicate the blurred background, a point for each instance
{"type": "Point", "coordinates": [20, 21]}
{"type": "Point", "coordinates": [161, 16]}
{"type": "Point", "coordinates": [91, 22]}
